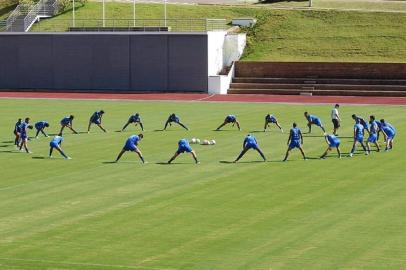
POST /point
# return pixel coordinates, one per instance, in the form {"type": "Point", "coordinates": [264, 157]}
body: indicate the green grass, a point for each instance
{"type": "Point", "coordinates": [88, 214]}
{"type": "Point", "coordinates": [282, 35]}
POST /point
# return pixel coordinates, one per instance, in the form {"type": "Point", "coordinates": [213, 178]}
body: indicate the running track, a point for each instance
{"type": "Point", "coordinates": [209, 98]}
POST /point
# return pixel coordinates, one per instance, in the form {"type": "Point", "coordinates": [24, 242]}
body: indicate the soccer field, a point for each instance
{"type": "Point", "coordinates": [89, 213]}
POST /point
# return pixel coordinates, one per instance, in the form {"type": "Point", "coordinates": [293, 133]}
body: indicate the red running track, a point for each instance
{"type": "Point", "coordinates": [210, 98]}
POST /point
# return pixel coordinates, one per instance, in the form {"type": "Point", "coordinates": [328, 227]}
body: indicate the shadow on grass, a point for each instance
{"type": "Point", "coordinates": [4, 145]}
{"type": "Point", "coordinates": [176, 163]}
{"type": "Point", "coordinates": [11, 152]}
{"type": "Point", "coordinates": [109, 162]}
{"type": "Point", "coordinates": [38, 157]}
{"type": "Point", "coordinates": [7, 141]}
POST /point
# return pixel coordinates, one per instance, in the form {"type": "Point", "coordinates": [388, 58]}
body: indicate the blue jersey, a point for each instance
{"type": "Point", "coordinates": [333, 141]}
{"type": "Point", "coordinates": [57, 140]}
{"type": "Point", "coordinates": [40, 125]}
{"type": "Point", "coordinates": [250, 141]}
{"type": "Point", "coordinates": [378, 123]}
{"type": "Point", "coordinates": [134, 139]}
{"type": "Point", "coordinates": [373, 129]}
{"type": "Point", "coordinates": [388, 129]}
{"type": "Point", "coordinates": [295, 134]}
{"type": "Point", "coordinates": [231, 118]}
{"type": "Point", "coordinates": [359, 130]}
{"type": "Point", "coordinates": [184, 146]}
{"type": "Point", "coordinates": [271, 119]}
{"type": "Point", "coordinates": [66, 121]}
{"type": "Point", "coordinates": [174, 118]}
{"type": "Point", "coordinates": [134, 118]}
{"type": "Point", "coordinates": [17, 127]}
{"type": "Point", "coordinates": [96, 117]}
{"type": "Point", "coordinates": [23, 130]}
{"type": "Point", "coordinates": [362, 121]}
{"type": "Point", "coordinates": [314, 120]}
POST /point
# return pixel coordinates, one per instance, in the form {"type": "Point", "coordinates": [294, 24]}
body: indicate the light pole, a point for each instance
{"type": "Point", "coordinates": [134, 11]}
{"type": "Point", "coordinates": [104, 14]}
{"type": "Point", "coordinates": [73, 13]}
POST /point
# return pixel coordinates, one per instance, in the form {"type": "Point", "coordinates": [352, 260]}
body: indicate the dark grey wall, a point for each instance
{"type": "Point", "coordinates": [104, 61]}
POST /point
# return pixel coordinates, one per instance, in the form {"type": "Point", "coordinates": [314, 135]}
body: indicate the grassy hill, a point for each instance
{"type": "Point", "coordinates": [283, 35]}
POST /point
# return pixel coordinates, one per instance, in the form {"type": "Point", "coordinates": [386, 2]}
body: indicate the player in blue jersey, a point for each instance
{"type": "Point", "coordinates": [67, 122]}
{"type": "Point", "coordinates": [362, 121]}
{"type": "Point", "coordinates": [56, 144]}
{"type": "Point", "coordinates": [270, 119]}
{"type": "Point", "coordinates": [390, 132]}
{"type": "Point", "coordinates": [134, 119]}
{"type": "Point", "coordinates": [184, 146]}
{"type": "Point", "coordinates": [358, 137]}
{"type": "Point", "coordinates": [373, 134]}
{"type": "Point", "coordinates": [250, 142]}
{"type": "Point", "coordinates": [230, 119]}
{"type": "Point", "coordinates": [96, 119]}
{"type": "Point", "coordinates": [295, 140]}
{"type": "Point", "coordinates": [40, 126]}
{"type": "Point", "coordinates": [333, 142]}
{"type": "Point", "coordinates": [24, 134]}
{"type": "Point", "coordinates": [17, 132]}
{"type": "Point", "coordinates": [372, 119]}
{"type": "Point", "coordinates": [173, 118]}
{"type": "Point", "coordinates": [313, 120]}
{"type": "Point", "coordinates": [132, 145]}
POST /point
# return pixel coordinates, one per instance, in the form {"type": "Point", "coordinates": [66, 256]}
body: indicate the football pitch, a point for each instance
{"type": "Point", "coordinates": [89, 213]}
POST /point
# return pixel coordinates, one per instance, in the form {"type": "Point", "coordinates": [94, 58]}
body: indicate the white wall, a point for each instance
{"type": "Point", "coordinates": [215, 51]}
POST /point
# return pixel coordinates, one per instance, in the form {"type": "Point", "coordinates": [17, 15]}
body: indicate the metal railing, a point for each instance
{"type": "Point", "coordinates": [3, 25]}
{"type": "Point", "coordinates": [19, 11]}
{"type": "Point", "coordinates": [175, 25]}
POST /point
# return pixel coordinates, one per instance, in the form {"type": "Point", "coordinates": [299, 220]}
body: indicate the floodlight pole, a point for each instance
{"type": "Point", "coordinates": [165, 14]}
{"type": "Point", "coordinates": [73, 13]}
{"type": "Point", "coordinates": [134, 11]}
{"type": "Point", "coordinates": [104, 14]}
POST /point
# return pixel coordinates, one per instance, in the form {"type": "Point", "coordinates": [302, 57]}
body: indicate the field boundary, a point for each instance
{"type": "Point", "coordinates": [186, 97]}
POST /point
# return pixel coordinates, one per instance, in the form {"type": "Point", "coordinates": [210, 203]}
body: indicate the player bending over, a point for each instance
{"type": "Point", "coordinates": [228, 120]}
{"type": "Point", "coordinates": [390, 132]}
{"type": "Point", "coordinates": [24, 134]}
{"type": "Point", "coordinates": [313, 120]}
{"type": "Point", "coordinates": [184, 146]}
{"type": "Point", "coordinates": [132, 145]}
{"type": "Point", "coordinates": [362, 121]}
{"type": "Point", "coordinates": [250, 143]}
{"type": "Point", "coordinates": [373, 134]}
{"type": "Point", "coordinates": [40, 126]}
{"type": "Point", "coordinates": [333, 142]}
{"type": "Point", "coordinates": [270, 119]}
{"type": "Point", "coordinates": [67, 122]}
{"type": "Point", "coordinates": [56, 144]}
{"type": "Point", "coordinates": [173, 118]}
{"type": "Point", "coordinates": [136, 119]}
{"type": "Point", "coordinates": [96, 119]}
{"type": "Point", "coordinates": [17, 131]}
{"type": "Point", "coordinates": [295, 140]}
{"type": "Point", "coordinates": [358, 137]}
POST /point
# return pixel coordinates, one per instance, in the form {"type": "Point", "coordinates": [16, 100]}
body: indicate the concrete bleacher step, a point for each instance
{"type": "Point", "coordinates": [318, 86]}
{"type": "Point", "coordinates": [317, 92]}
{"type": "Point", "coordinates": [319, 81]}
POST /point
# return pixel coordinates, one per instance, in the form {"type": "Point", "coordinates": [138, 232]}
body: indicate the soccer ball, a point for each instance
{"type": "Point", "coordinates": [205, 142]}
{"type": "Point", "coordinates": [193, 140]}
{"type": "Point", "coordinates": [213, 142]}
{"type": "Point", "coordinates": [198, 141]}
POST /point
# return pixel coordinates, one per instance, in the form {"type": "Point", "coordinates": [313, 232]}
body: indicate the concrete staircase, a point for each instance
{"type": "Point", "coordinates": [312, 79]}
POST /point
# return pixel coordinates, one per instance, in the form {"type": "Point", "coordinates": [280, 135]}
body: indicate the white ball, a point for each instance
{"type": "Point", "coordinates": [213, 142]}
{"type": "Point", "coordinates": [197, 140]}
{"type": "Point", "coordinates": [193, 140]}
{"type": "Point", "coordinates": [205, 142]}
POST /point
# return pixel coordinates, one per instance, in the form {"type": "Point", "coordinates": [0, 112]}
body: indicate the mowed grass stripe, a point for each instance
{"type": "Point", "coordinates": [88, 214]}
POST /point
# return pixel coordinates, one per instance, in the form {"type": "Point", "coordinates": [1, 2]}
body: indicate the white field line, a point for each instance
{"type": "Point", "coordinates": [85, 264]}
{"type": "Point", "coordinates": [204, 101]}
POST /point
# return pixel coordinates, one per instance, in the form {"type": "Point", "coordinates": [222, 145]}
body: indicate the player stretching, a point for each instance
{"type": "Point", "coordinates": [358, 137]}
{"type": "Point", "coordinates": [378, 123]}
{"type": "Point", "coordinates": [67, 122]}
{"type": "Point", "coordinates": [56, 144]}
{"type": "Point", "coordinates": [295, 141]}
{"type": "Point", "coordinates": [184, 146]}
{"type": "Point", "coordinates": [136, 119]}
{"type": "Point", "coordinates": [373, 134]}
{"type": "Point", "coordinates": [313, 120]}
{"type": "Point", "coordinates": [390, 132]}
{"type": "Point", "coordinates": [333, 142]}
{"type": "Point", "coordinates": [24, 134]}
{"type": "Point", "coordinates": [17, 131]}
{"type": "Point", "coordinates": [40, 126]}
{"type": "Point", "coordinates": [270, 119]}
{"type": "Point", "coordinates": [173, 118]}
{"type": "Point", "coordinates": [230, 119]}
{"type": "Point", "coordinates": [362, 121]}
{"type": "Point", "coordinates": [250, 143]}
{"type": "Point", "coordinates": [132, 145]}
{"type": "Point", "coordinates": [335, 118]}
{"type": "Point", "coordinates": [96, 119]}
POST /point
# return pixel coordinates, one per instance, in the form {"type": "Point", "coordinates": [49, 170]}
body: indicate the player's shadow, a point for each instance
{"type": "Point", "coordinates": [243, 162]}
{"type": "Point", "coordinates": [4, 145]}
{"type": "Point", "coordinates": [109, 162]}
{"type": "Point", "coordinates": [225, 130]}
{"type": "Point", "coordinates": [7, 141]}
{"type": "Point", "coordinates": [313, 136]}
{"type": "Point", "coordinates": [11, 152]}
{"type": "Point", "coordinates": [38, 157]}
{"type": "Point", "coordinates": [259, 131]}
{"type": "Point", "coordinates": [175, 163]}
